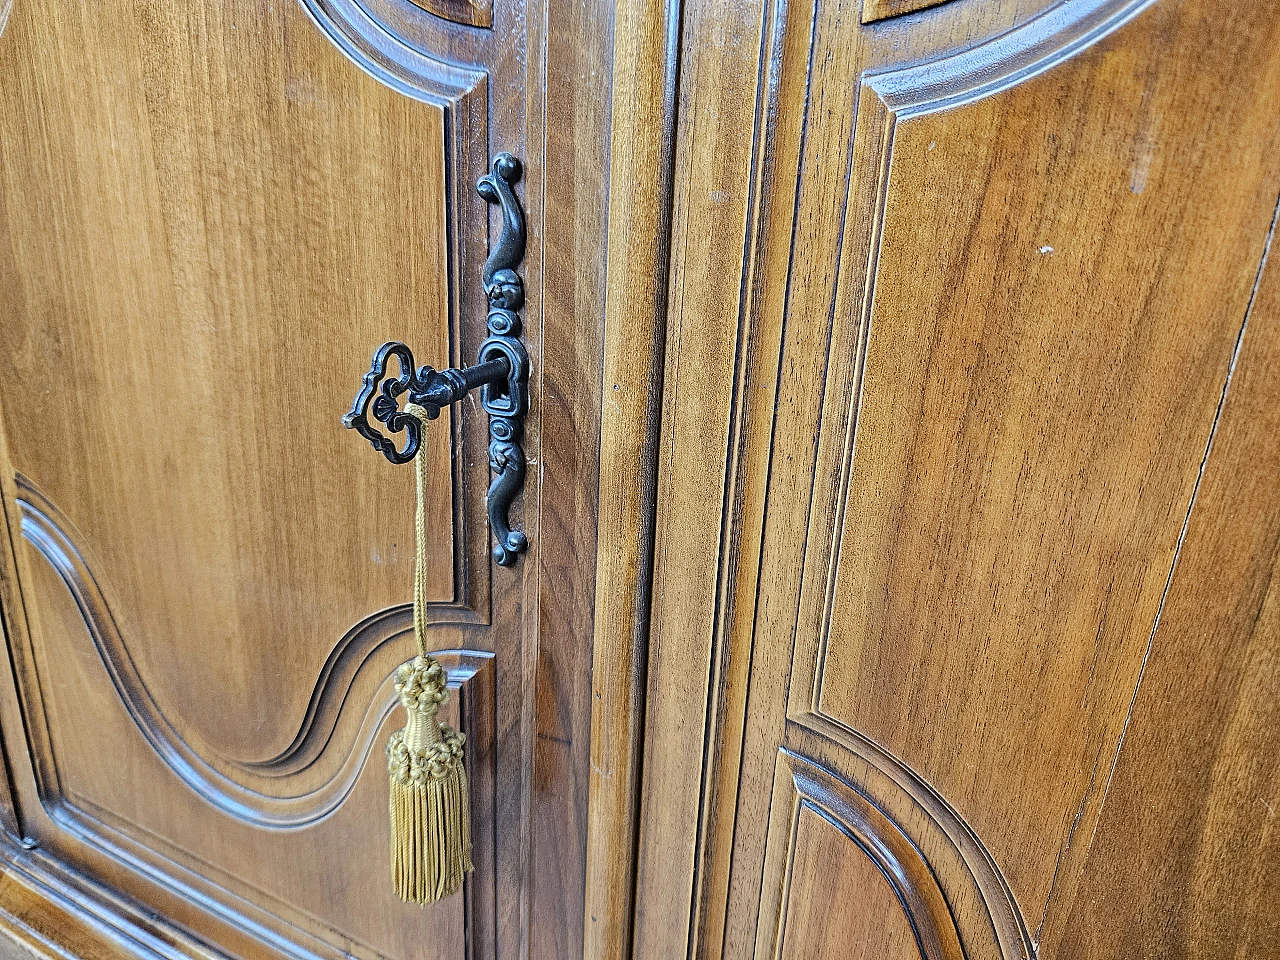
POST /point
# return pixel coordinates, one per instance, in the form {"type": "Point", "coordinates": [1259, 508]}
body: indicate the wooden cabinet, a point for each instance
{"type": "Point", "coordinates": [903, 488]}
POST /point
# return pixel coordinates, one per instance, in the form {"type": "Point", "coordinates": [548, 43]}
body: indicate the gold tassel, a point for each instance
{"type": "Point", "coordinates": [430, 818]}
{"type": "Point", "coordinates": [430, 826]}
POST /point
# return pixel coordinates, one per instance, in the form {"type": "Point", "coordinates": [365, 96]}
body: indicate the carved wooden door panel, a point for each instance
{"type": "Point", "coordinates": [981, 437]}
{"type": "Point", "coordinates": [211, 214]}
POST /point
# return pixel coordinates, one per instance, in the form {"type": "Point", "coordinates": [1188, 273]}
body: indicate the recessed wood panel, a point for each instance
{"type": "Point", "coordinates": [758, 242]}
{"type": "Point", "coordinates": [200, 252]}
{"type": "Point", "coordinates": [323, 886]}
{"type": "Point", "coordinates": [1062, 272]}
{"type": "Point", "coordinates": [1042, 247]}
{"type": "Point", "coordinates": [839, 906]}
{"type": "Point", "coordinates": [843, 879]}
{"type": "Point", "coordinates": [209, 218]}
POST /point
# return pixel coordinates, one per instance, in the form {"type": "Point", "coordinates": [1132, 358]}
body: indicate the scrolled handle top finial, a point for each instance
{"type": "Point", "coordinates": [496, 187]}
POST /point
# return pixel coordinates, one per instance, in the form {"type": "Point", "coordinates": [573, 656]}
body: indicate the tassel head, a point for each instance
{"type": "Point", "coordinates": [430, 818]}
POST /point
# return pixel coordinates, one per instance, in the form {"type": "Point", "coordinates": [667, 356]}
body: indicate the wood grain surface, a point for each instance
{"type": "Point", "coordinates": [572, 106]}
{"type": "Point", "coordinates": [638, 255]}
{"type": "Point", "coordinates": [842, 877]}
{"type": "Point", "coordinates": [903, 490]}
{"type": "Point", "coordinates": [1187, 841]}
{"type": "Point", "coordinates": [1049, 242]}
{"type": "Point", "coordinates": [476, 13]}
{"type": "Point", "coordinates": [734, 223]}
{"type": "Point", "coordinates": [189, 247]}
{"type": "Point", "coordinates": [873, 10]}
{"type": "Point", "coordinates": [1056, 305]}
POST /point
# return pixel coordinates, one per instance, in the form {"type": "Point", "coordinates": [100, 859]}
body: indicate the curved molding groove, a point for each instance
{"type": "Point", "coordinates": [237, 787]}
{"type": "Point", "coordinates": [883, 841]}
{"type": "Point", "coordinates": [388, 59]}
{"type": "Point", "coordinates": [873, 10]}
{"type": "Point", "coordinates": [943, 824]}
{"type": "Point", "coordinates": [472, 13]}
{"type": "Point", "coordinates": [1041, 43]}
{"type": "Point", "coordinates": [898, 93]}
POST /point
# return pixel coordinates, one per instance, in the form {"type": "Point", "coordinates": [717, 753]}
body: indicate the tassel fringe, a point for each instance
{"type": "Point", "coordinates": [427, 862]}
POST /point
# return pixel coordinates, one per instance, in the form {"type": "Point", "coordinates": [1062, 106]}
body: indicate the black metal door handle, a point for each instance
{"type": "Point", "coordinates": [502, 373]}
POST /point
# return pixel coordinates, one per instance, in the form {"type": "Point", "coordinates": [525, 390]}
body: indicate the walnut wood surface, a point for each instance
{"type": "Point", "coordinates": [903, 536]}
{"type": "Point", "coordinates": [194, 287]}
{"type": "Point", "coordinates": [1187, 840]}
{"type": "Point", "coordinates": [1023, 460]}
{"type": "Point", "coordinates": [844, 879]}
{"type": "Point", "coordinates": [174, 264]}
{"type": "Point", "coordinates": [729, 230]}
{"type": "Point", "coordinates": [571, 110]}
{"type": "Point", "coordinates": [1024, 267]}
{"type": "Point", "coordinates": [477, 13]}
{"type": "Point", "coordinates": [32, 925]}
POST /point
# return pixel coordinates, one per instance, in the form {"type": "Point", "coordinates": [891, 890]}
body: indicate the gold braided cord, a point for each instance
{"type": "Point", "coordinates": [420, 532]}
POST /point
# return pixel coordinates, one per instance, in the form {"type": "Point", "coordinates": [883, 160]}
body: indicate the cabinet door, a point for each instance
{"type": "Point", "coordinates": [211, 214]}
{"type": "Point", "coordinates": [980, 442]}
